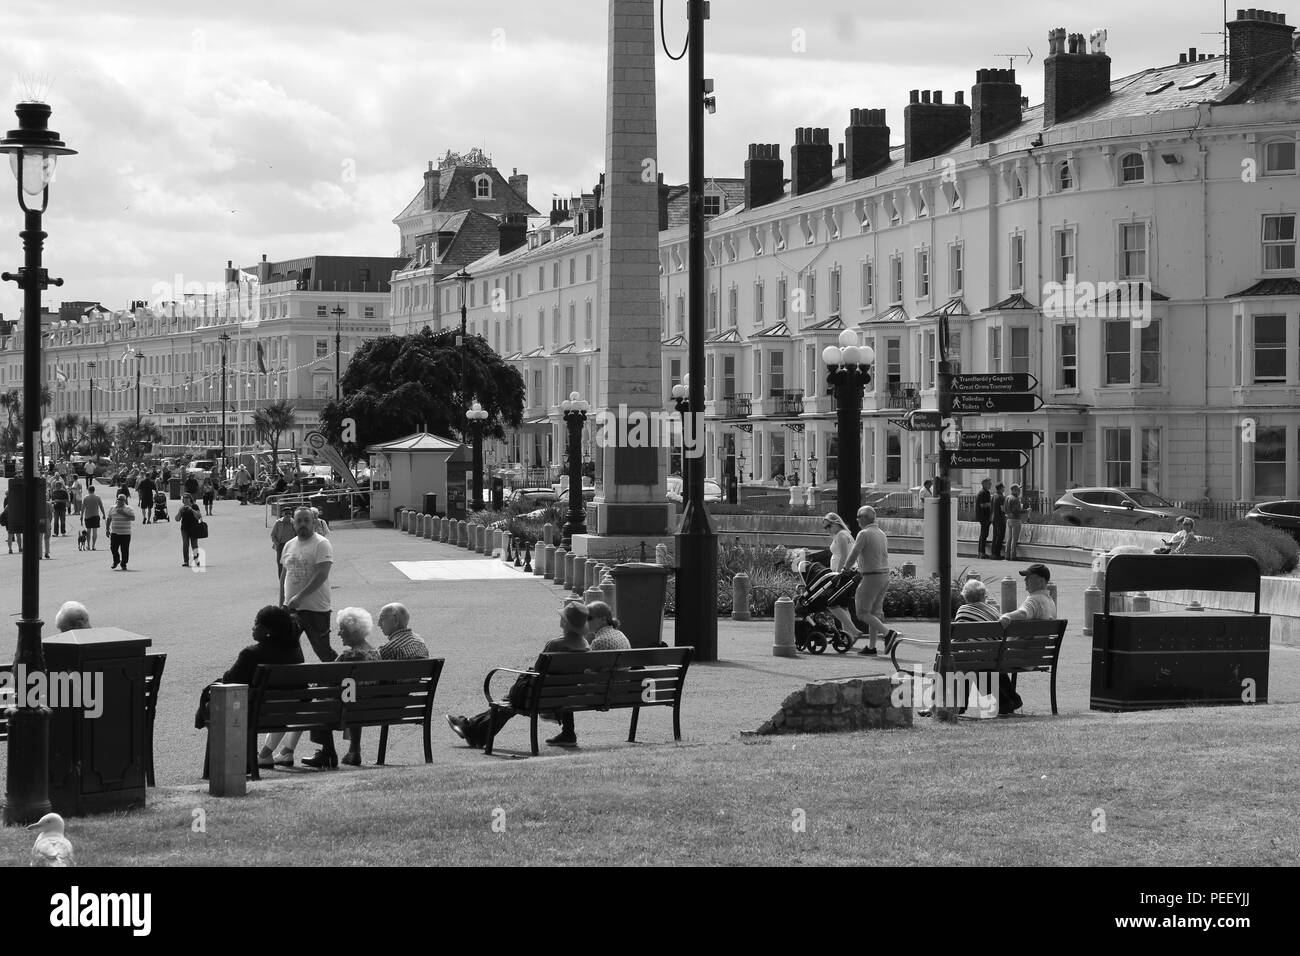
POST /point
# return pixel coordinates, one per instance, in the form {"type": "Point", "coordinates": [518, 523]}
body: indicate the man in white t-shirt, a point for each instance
{"type": "Point", "coordinates": [307, 560]}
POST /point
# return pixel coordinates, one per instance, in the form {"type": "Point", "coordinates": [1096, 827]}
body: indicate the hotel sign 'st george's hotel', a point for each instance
{"type": "Point", "coordinates": [1181, 177]}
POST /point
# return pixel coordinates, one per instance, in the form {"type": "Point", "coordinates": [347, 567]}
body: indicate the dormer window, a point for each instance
{"type": "Point", "coordinates": [712, 205]}
{"type": "Point", "coordinates": [483, 186]}
{"type": "Point", "coordinates": [1132, 169]}
{"type": "Point", "coordinates": [1064, 176]}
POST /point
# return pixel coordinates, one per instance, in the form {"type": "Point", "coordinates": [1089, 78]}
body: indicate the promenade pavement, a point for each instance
{"type": "Point", "coordinates": [202, 619]}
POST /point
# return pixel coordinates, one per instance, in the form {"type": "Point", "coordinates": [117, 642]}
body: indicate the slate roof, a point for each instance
{"type": "Point", "coordinates": [834, 323]}
{"type": "Point", "coordinates": [1269, 287]}
{"type": "Point", "coordinates": [954, 306]}
{"type": "Point", "coordinates": [679, 200]}
{"type": "Point", "coordinates": [780, 330]}
{"type": "Point", "coordinates": [895, 313]}
{"type": "Point", "coordinates": [1010, 304]}
{"type": "Point", "coordinates": [731, 336]}
{"type": "Point", "coordinates": [677, 341]}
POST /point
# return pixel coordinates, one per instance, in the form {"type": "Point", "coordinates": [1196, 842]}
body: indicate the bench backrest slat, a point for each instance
{"type": "Point", "coordinates": [287, 696]}
{"type": "Point", "coordinates": [601, 679]}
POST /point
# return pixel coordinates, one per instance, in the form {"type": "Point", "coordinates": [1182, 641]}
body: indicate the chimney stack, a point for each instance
{"type": "Point", "coordinates": [663, 203]}
{"type": "Point", "coordinates": [431, 186]}
{"type": "Point", "coordinates": [1074, 78]}
{"type": "Point", "coordinates": [866, 149]}
{"type": "Point", "coordinates": [764, 174]}
{"type": "Point", "coordinates": [1257, 40]}
{"type": "Point", "coordinates": [995, 105]}
{"type": "Point", "coordinates": [931, 127]}
{"type": "Point", "coordinates": [519, 184]}
{"type": "Point", "coordinates": [512, 232]}
{"type": "Point", "coordinates": [811, 160]}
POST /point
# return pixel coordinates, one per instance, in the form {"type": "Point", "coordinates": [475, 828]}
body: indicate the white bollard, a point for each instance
{"type": "Point", "coordinates": [784, 617]}
{"type": "Point", "coordinates": [740, 597]}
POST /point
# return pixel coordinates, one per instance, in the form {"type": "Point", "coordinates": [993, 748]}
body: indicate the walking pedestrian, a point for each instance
{"type": "Point", "coordinates": [43, 522]}
{"type": "Point", "coordinates": [74, 492]}
{"type": "Point", "coordinates": [11, 526]}
{"type": "Point", "coordinates": [282, 532]}
{"type": "Point", "coordinates": [242, 480]}
{"type": "Point", "coordinates": [145, 487]}
{"type": "Point", "coordinates": [871, 551]}
{"type": "Point", "coordinates": [120, 518]}
{"type": "Point", "coordinates": [984, 514]}
{"type": "Point", "coordinates": [1015, 511]}
{"type": "Point", "coordinates": [209, 493]}
{"type": "Point", "coordinates": [307, 560]}
{"type": "Point", "coordinates": [999, 520]}
{"type": "Point", "coordinates": [59, 501]}
{"type": "Point", "coordinates": [190, 519]}
{"type": "Point", "coordinates": [92, 513]}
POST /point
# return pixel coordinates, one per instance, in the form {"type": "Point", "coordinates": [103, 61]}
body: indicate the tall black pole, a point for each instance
{"type": "Point", "coordinates": [27, 794]}
{"type": "Point", "coordinates": [91, 366]}
{"type": "Point", "coordinates": [945, 517]}
{"type": "Point", "coordinates": [696, 623]}
{"type": "Point", "coordinates": [477, 430]}
{"type": "Point", "coordinates": [848, 382]}
{"type": "Point", "coordinates": [339, 312]}
{"type": "Point", "coordinates": [137, 397]}
{"type": "Point", "coordinates": [223, 407]}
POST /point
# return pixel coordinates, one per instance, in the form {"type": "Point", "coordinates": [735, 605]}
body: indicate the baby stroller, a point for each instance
{"type": "Point", "coordinates": [814, 625]}
{"type": "Point", "coordinates": [160, 506]}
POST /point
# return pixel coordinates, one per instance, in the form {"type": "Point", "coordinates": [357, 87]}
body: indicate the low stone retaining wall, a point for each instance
{"type": "Point", "coordinates": [828, 706]}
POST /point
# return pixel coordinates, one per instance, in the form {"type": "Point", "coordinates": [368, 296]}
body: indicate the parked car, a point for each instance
{"type": "Point", "coordinates": [1283, 515]}
{"type": "Point", "coordinates": [533, 497]}
{"type": "Point", "coordinates": [712, 490]}
{"type": "Point", "coordinates": [1080, 503]}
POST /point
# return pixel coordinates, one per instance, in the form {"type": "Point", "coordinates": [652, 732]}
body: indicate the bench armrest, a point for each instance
{"type": "Point", "coordinates": [487, 681]}
{"type": "Point", "coordinates": [921, 642]}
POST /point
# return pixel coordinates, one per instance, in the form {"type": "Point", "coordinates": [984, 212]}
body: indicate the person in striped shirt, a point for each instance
{"type": "Point", "coordinates": [976, 608]}
{"type": "Point", "coordinates": [402, 644]}
{"type": "Point", "coordinates": [120, 518]}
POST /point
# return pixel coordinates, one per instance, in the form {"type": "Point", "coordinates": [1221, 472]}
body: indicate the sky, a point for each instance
{"type": "Point", "coordinates": [209, 132]}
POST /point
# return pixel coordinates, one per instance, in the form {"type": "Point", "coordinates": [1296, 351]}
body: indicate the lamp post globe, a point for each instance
{"type": "Point", "coordinates": [33, 151]}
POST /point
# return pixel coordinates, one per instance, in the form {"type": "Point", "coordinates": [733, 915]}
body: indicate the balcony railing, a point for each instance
{"type": "Point", "coordinates": [905, 395]}
{"type": "Point", "coordinates": [787, 403]}
{"type": "Point", "coordinates": [737, 406]}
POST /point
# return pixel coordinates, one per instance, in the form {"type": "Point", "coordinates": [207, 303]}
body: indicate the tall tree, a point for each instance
{"type": "Point", "coordinates": [273, 421]}
{"type": "Point", "coordinates": [397, 384]}
{"type": "Point", "coordinates": [99, 438]}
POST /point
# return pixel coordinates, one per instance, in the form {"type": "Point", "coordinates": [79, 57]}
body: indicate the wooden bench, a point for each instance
{"type": "Point", "coordinates": [987, 647]}
{"type": "Point", "coordinates": [154, 664]}
{"type": "Point", "coordinates": [599, 680]}
{"type": "Point", "coordinates": [303, 697]}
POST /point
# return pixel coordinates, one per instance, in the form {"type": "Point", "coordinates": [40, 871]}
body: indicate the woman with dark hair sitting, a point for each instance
{"type": "Point", "coordinates": [275, 641]}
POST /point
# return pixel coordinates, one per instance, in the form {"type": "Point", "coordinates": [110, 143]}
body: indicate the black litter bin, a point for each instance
{"type": "Point", "coordinates": [1147, 661]}
{"type": "Point", "coordinates": [498, 494]}
{"type": "Point", "coordinates": [639, 593]}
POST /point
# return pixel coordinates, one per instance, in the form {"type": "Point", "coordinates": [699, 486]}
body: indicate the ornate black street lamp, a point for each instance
{"type": "Point", "coordinates": [33, 150]}
{"type": "Point", "coordinates": [575, 416]}
{"type": "Point", "coordinates": [91, 367]}
{"type": "Point", "coordinates": [682, 403]}
{"type": "Point", "coordinates": [477, 416]}
{"type": "Point", "coordinates": [848, 372]}
{"type": "Point", "coordinates": [338, 312]}
{"type": "Point", "coordinates": [462, 343]}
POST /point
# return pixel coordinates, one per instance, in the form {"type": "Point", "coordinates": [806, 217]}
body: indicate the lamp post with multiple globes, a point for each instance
{"type": "Point", "coordinates": [848, 372]}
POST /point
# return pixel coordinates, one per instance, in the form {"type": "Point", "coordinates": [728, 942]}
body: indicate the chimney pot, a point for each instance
{"type": "Point", "coordinates": [1182, 58]}
{"type": "Point", "coordinates": [925, 96]}
{"type": "Point", "coordinates": [1073, 85]}
{"type": "Point", "coordinates": [811, 160]}
{"type": "Point", "coordinates": [960, 98]}
{"type": "Point", "coordinates": [764, 175]}
{"type": "Point", "coordinates": [1191, 54]}
{"type": "Point", "coordinates": [840, 160]}
{"type": "Point", "coordinates": [916, 96]}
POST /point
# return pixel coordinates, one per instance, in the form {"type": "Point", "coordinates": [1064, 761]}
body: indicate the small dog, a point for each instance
{"type": "Point", "coordinates": [83, 540]}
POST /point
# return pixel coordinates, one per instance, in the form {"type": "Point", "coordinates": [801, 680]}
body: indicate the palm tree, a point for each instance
{"type": "Point", "coordinates": [12, 403]}
{"type": "Point", "coordinates": [271, 422]}
{"type": "Point", "coordinates": [100, 438]}
{"type": "Point", "coordinates": [69, 430]}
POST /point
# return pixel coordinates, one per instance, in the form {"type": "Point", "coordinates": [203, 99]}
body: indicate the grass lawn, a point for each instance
{"type": "Point", "coordinates": [1188, 787]}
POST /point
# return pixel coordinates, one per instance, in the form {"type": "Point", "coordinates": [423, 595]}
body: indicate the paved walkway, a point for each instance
{"type": "Point", "coordinates": [470, 613]}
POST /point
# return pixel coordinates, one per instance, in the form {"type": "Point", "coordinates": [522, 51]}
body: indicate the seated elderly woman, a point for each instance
{"type": "Point", "coordinates": [976, 606]}
{"type": "Point", "coordinates": [603, 629]}
{"type": "Point", "coordinates": [72, 616]}
{"type": "Point", "coordinates": [355, 625]}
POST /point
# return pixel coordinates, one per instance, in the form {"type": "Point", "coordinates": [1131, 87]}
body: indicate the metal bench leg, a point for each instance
{"type": "Point", "coordinates": [428, 742]}
{"type": "Point", "coordinates": [207, 756]}
{"type": "Point", "coordinates": [631, 731]}
{"type": "Point", "coordinates": [492, 732]}
{"type": "Point", "coordinates": [1053, 690]}
{"type": "Point", "coordinates": [677, 718]}
{"type": "Point", "coordinates": [383, 742]}
{"type": "Point", "coordinates": [532, 730]}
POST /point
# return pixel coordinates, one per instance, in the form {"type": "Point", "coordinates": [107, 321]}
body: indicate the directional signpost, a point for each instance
{"type": "Point", "coordinates": [991, 403]}
{"type": "Point", "coordinates": [1021, 441]}
{"type": "Point", "coordinates": [999, 383]}
{"type": "Point", "coordinates": [921, 420]}
{"type": "Point", "coordinates": [991, 458]}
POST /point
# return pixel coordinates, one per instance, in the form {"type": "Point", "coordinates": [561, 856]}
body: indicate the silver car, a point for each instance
{"type": "Point", "coordinates": [1078, 504]}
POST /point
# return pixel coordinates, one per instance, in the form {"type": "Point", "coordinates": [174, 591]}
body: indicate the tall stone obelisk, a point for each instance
{"type": "Point", "coordinates": [630, 367]}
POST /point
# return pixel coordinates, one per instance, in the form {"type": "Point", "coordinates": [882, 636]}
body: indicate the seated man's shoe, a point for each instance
{"type": "Point", "coordinates": [322, 760]}
{"type": "Point", "coordinates": [351, 758]}
{"type": "Point", "coordinates": [457, 725]}
{"type": "Point", "coordinates": [283, 758]}
{"type": "Point", "coordinates": [563, 740]}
